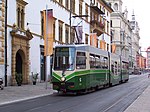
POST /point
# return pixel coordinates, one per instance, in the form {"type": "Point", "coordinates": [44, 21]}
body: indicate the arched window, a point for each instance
{"type": "Point", "coordinates": [22, 19]}
{"type": "Point", "coordinates": [116, 6]}
{"type": "Point", "coordinates": [109, 4]}
{"type": "Point", "coordinates": [20, 13]}
{"type": "Point", "coordinates": [18, 17]}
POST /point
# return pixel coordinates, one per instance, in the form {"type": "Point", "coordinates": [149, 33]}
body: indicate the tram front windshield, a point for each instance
{"type": "Point", "coordinates": [64, 58]}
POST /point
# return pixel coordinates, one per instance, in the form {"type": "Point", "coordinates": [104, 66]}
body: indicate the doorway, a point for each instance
{"type": "Point", "coordinates": [18, 63]}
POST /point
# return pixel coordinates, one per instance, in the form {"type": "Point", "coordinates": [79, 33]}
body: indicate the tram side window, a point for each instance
{"type": "Point", "coordinates": [119, 68]}
{"type": "Point", "coordinates": [116, 68]}
{"type": "Point", "coordinates": [104, 62]}
{"type": "Point", "coordinates": [92, 61]}
{"type": "Point", "coordinates": [81, 60]}
{"type": "Point", "coordinates": [125, 67]}
{"type": "Point", "coordinates": [97, 63]}
{"type": "Point", "coordinates": [112, 67]}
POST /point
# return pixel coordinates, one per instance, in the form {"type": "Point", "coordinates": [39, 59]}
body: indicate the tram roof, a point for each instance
{"type": "Point", "coordinates": [85, 47]}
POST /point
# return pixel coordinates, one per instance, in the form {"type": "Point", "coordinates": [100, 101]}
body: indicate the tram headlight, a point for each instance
{"type": "Point", "coordinates": [63, 79]}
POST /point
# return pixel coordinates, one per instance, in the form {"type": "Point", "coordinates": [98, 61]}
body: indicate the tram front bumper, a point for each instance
{"type": "Point", "coordinates": [63, 86]}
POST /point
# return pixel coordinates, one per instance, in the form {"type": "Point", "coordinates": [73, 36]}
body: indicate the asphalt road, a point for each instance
{"type": "Point", "coordinates": [114, 99]}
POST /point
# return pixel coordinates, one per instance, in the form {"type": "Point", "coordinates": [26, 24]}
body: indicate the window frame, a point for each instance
{"type": "Point", "coordinates": [20, 13]}
{"type": "Point", "coordinates": [83, 56]}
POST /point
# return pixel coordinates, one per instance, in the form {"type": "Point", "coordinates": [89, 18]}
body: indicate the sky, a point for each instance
{"type": "Point", "coordinates": [142, 16]}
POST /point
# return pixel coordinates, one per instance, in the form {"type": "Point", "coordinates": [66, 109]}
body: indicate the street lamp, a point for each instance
{"type": "Point", "coordinates": [70, 18]}
{"type": "Point", "coordinates": [5, 42]}
{"type": "Point", "coordinates": [74, 17]}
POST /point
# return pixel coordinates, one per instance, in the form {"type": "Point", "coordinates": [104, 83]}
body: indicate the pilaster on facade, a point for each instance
{"type": "Point", "coordinates": [2, 26]}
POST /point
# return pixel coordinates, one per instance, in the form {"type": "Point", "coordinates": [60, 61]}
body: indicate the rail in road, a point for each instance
{"type": "Point", "coordinates": [114, 99]}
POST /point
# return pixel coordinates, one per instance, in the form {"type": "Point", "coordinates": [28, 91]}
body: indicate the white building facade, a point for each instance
{"type": "Point", "coordinates": [135, 40]}
{"type": "Point", "coordinates": [25, 38]}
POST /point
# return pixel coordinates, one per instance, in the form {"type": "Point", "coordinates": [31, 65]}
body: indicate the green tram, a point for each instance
{"type": "Point", "coordinates": [82, 68]}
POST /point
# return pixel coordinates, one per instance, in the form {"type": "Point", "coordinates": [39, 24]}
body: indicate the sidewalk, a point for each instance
{"type": "Point", "coordinates": [12, 94]}
{"type": "Point", "coordinates": [142, 103]}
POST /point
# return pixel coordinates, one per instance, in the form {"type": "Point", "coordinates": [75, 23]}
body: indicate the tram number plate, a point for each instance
{"type": "Point", "coordinates": [62, 83]}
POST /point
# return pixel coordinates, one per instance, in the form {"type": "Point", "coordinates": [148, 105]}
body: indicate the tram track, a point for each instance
{"type": "Point", "coordinates": [137, 89]}
{"type": "Point", "coordinates": [113, 99]}
{"type": "Point", "coordinates": [138, 93]}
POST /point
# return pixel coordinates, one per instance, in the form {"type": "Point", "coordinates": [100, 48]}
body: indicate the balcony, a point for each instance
{"type": "Point", "coordinates": [99, 11]}
{"type": "Point", "coordinates": [98, 27]}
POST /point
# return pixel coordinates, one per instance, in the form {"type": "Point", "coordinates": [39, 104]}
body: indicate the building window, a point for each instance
{"type": "Point", "coordinates": [110, 23]}
{"type": "Point", "coordinates": [61, 2]}
{"type": "Point", "coordinates": [97, 4]}
{"type": "Point", "coordinates": [60, 31]}
{"type": "Point", "coordinates": [42, 23]}
{"type": "Point", "coordinates": [0, 12]}
{"type": "Point", "coordinates": [18, 17]}
{"type": "Point", "coordinates": [54, 31]}
{"type": "Point", "coordinates": [20, 13]}
{"type": "Point", "coordinates": [22, 19]}
{"type": "Point", "coordinates": [72, 37]}
{"type": "Point", "coordinates": [67, 34]}
{"type": "Point", "coordinates": [73, 6]}
{"type": "Point", "coordinates": [86, 11]}
{"type": "Point", "coordinates": [97, 43]}
{"type": "Point", "coordinates": [116, 6]}
{"type": "Point", "coordinates": [91, 16]}
{"type": "Point", "coordinates": [80, 7]}
{"type": "Point", "coordinates": [67, 4]}
{"type": "Point", "coordinates": [86, 39]}
{"type": "Point", "coordinates": [108, 27]}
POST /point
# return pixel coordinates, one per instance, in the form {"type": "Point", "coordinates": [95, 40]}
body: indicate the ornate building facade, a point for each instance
{"type": "Point", "coordinates": [125, 33]}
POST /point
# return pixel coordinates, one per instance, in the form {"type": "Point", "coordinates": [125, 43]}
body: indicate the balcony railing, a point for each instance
{"type": "Point", "coordinates": [95, 23]}
{"type": "Point", "coordinates": [99, 11]}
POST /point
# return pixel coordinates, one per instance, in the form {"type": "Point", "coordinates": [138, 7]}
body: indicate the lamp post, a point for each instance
{"type": "Point", "coordinates": [131, 53]}
{"type": "Point", "coordinates": [70, 18]}
{"type": "Point", "coordinates": [75, 16]}
{"type": "Point", "coordinates": [5, 42]}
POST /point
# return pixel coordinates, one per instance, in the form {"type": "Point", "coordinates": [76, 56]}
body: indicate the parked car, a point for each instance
{"type": "Point", "coordinates": [137, 72]}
